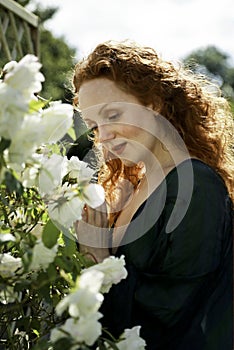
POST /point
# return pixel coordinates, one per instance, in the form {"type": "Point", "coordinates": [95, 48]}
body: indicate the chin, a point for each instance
{"type": "Point", "coordinates": [128, 162]}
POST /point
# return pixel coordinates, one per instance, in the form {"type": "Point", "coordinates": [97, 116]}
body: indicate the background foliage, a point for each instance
{"type": "Point", "coordinates": [217, 66]}
{"type": "Point", "coordinates": [56, 56]}
{"type": "Point", "coordinates": [23, 213]}
{"type": "Point", "coordinates": [58, 59]}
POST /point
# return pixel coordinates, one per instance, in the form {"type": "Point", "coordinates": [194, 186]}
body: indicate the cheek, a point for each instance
{"type": "Point", "coordinates": [131, 131]}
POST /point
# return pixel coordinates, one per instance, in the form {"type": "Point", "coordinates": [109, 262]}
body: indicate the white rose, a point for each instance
{"type": "Point", "coordinates": [132, 340]}
{"type": "Point", "coordinates": [37, 230]}
{"type": "Point", "coordinates": [9, 66]}
{"type": "Point", "coordinates": [91, 280]}
{"type": "Point", "coordinates": [57, 334]}
{"type": "Point", "coordinates": [77, 169]}
{"type": "Point", "coordinates": [29, 176]}
{"type": "Point", "coordinates": [24, 76]}
{"type": "Point", "coordinates": [13, 108]}
{"type": "Point", "coordinates": [25, 140]}
{"type": "Point", "coordinates": [6, 237]}
{"type": "Point", "coordinates": [42, 256]}
{"type": "Point", "coordinates": [50, 174]}
{"type": "Point", "coordinates": [64, 206]}
{"type": "Point", "coordinates": [93, 195]}
{"type": "Point", "coordinates": [56, 121]}
{"type": "Point", "coordinates": [85, 329]}
{"type": "Point", "coordinates": [8, 295]}
{"type": "Point", "coordinates": [9, 265]}
{"type": "Point", "coordinates": [85, 299]}
{"type": "Point", "coordinates": [88, 328]}
{"type": "Point", "coordinates": [113, 269]}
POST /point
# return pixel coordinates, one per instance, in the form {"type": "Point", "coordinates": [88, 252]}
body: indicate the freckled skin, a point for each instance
{"type": "Point", "coordinates": [134, 124]}
{"type": "Point", "coordinates": [133, 133]}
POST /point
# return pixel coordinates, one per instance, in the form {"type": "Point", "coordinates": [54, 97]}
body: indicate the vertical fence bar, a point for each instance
{"type": "Point", "coordinates": [19, 31]}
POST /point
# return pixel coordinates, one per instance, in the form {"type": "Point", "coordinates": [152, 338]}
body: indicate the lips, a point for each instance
{"type": "Point", "coordinates": [119, 148]}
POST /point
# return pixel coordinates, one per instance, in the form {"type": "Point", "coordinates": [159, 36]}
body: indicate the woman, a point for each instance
{"type": "Point", "coordinates": [166, 167]}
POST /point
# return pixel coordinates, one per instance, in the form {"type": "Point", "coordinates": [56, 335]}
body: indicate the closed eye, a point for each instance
{"type": "Point", "coordinates": [114, 116]}
{"type": "Point", "coordinates": [93, 128]}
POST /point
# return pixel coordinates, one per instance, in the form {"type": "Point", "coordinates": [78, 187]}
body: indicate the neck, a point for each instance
{"type": "Point", "coordinates": [158, 168]}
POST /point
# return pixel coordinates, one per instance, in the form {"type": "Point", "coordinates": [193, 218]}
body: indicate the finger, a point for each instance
{"type": "Point", "coordinates": [102, 212]}
{"type": "Point", "coordinates": [84, 214]}
{"type": "Point", "coordinates": [94, 217]}
{"type": "Point", "coordinates": [98, 216]}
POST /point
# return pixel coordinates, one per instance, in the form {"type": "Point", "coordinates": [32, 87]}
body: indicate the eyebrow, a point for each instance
{"type": "Point", "coordinates": [99, 112]}
{"type": "Point", "coordinates": [102, 108]}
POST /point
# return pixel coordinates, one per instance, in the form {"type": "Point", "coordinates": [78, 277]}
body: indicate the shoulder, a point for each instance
{"type": "Point", "coordinates": [196, 193]}
{"type": "Point", "coordinates": [192, 187]}
{"type": "Point", "coordinates": [196, 176]}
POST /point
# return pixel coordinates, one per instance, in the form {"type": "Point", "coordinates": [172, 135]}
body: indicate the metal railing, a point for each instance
{"type": "Point", "coordinates": [19, 32]}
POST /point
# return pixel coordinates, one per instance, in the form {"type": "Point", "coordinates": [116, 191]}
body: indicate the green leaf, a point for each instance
{"type": "Point", "coordinates": [64, 263]}
{"type": "Point", "coordinates": [52, 272]}
{"type": "Point", "coordinates": [35, 105]}
{"type": "Point", "coordinates": [50, 234]}
{"type": "Point", "coordinates": [63, 343]}
{"type": "Point", "coordinates": [4, 143]}
{"type": "Point", "coordinates": [42, 344]}
{"type": "Point", "coordinates": [12, 184]}
{"type": "Point", "coordinates": [27, 259]}
{"type": "Point", "coordinates": [35, 331]}
{"type": "Point", "coordinates": [70, 245]}
{"type": "Point", "coordinates": [71, 133]}
{"type": "Point", "coordinates": [44, 292]}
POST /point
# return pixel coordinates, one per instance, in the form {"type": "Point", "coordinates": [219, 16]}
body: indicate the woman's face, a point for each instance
{"type": "Point", "coordinates": [124, 126]}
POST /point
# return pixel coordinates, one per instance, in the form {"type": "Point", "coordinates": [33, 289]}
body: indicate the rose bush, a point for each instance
{"type": "Point", "coordinates": [50, 294]}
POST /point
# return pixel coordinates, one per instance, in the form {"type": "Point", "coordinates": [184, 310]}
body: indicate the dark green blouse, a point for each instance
{"type": "Point", "coordinates": [179, 284]}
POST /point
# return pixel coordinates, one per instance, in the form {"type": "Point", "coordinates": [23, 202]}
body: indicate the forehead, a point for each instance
{"type": "Point", "coordinates": [102, 91]}
{"type": "Point", "coordinates": [103, 110]}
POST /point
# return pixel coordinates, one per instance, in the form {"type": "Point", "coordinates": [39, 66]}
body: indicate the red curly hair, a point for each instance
{"type": "Point", "coordinates": [191, 103]}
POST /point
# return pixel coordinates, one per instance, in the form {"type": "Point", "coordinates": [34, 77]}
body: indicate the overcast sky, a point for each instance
{"type": "Point", "coordinates": [173, 27]}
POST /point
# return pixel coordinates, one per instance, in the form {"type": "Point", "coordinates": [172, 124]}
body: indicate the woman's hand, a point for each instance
{"type": "Point", "coordinates": [93, 232]}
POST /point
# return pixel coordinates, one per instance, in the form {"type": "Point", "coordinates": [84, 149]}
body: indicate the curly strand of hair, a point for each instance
{"type": "Point", "coordinates": [190, 102]}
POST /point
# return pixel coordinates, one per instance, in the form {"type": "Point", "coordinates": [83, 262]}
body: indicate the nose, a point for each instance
{"type": "Point", "coordinates": [105, 133]}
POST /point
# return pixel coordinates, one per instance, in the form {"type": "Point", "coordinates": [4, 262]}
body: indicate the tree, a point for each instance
{"type": "Point", "coordinates": [54, 50]}
{"type": "Point", "coordinates": [57, 63]}
{"type": "Point", "coordinates": [56, 56]}
{"type": "Point", "coordinates": [216, 65]}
